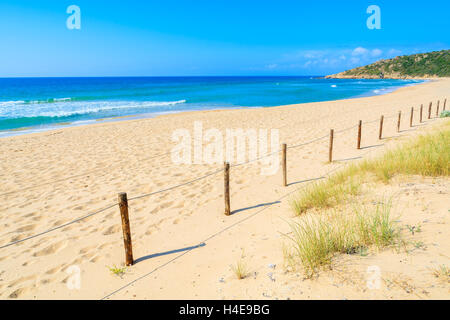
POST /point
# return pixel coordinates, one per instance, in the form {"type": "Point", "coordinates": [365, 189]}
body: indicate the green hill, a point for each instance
{"type": "Point", "coordinates": [422, 65]}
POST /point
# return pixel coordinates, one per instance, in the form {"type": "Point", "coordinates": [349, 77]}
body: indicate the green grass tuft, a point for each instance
{"type": "Point", "coordinates": [240, 269]}
{"type": "Point", "coordinates": [442, 273]}
{"type": "Point", "coordinates": [317, 238]}
{"type": "Point", "coordinates": [118, 271]}
{"type": "Point", "coordinates": [428, 155]}
{"type": "Point", "coordinates": [445, 114]}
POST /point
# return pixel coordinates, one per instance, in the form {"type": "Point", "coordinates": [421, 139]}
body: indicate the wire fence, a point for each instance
{"type": "Point", "coordinates": [174, 151]}
{"type": "Point", "coordinates": [298, 145]}
{"type": "Point", "coordinates": [269, 154]}
{"type": "Point", "coordinates": [217, 233]}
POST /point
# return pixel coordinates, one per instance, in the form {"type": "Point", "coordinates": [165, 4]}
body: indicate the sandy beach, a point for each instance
{"type": "Point", "coordinates": [183, 243]}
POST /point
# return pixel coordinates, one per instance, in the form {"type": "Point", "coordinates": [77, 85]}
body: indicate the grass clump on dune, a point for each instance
{"type": "Point", "coordinates": [317, 238]}
{"type": "Point", "coordinates": [427, 155]}
{"type": "Point", "coordinates": [240, 269]}
{"type": "Point", "coordinates": [328, 193]}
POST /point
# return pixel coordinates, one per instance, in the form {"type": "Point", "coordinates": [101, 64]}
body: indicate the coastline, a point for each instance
{"type": "Point", "coordinates": [65, 124]}
{"type": "Point", "coordinates": [51, 178]}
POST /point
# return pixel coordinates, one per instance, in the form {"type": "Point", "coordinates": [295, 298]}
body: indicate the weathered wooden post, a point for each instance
{"type": "Point", "coordinates": [437, 109]}
{"type": "Point", "coordinates": [445, 102]}
{"type": "Point", "coordinates": [412, 117]}
{"type": "Point", "coordinates": [330, 151]}
{"type": "Point", "coordinates": [380, 134]}
{"type": "Point", "coordinates": [123, 206]}
{"type": "Point", "coordinates": [399, 120]}
{"type": "Point", "coordinates": [227, 188]}
{"type": "Point", "coordinates": [429, 110]}
{"type": "Point", "coordinates": [359, 134]}
{"type": "Point", "coordinates": [283, 163]}
{"type": "Point", "coordinates": [421, 112]}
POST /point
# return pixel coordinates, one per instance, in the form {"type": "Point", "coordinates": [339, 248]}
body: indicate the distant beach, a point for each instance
{"type": "Point", "coordinates": [29, 105]}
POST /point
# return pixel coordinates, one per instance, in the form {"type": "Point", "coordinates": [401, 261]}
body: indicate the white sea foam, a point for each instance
{"type": "Point", "coordinates": [9, 103]}
{"type": "Point", "coordinates": [64, 109]}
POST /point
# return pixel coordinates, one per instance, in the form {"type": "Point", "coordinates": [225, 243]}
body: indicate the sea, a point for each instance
{"type": "Point", "coordinates": [38, 104]}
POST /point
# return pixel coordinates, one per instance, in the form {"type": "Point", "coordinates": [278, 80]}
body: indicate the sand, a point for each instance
{"type": "Point", "coordinates": [54, 177]}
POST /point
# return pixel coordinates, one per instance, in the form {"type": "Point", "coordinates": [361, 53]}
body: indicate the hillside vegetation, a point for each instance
{"type": "Point", "coordinates": [422, 65]}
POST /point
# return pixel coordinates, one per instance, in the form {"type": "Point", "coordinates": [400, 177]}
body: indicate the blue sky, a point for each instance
{"type": "Point", "coordinates": [213, 37]}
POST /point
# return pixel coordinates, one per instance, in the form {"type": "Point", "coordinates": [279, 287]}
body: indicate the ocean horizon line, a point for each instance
{"type": "Point", "coordinates": [191, 76]}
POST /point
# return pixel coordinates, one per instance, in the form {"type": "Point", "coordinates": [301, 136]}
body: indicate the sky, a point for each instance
{"type": "Point", "coordinates": [212, 37]}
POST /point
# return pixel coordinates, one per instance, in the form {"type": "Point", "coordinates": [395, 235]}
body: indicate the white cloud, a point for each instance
{"type": "Point", "coordinates": [376, 52]}
{"type": "Point", "coordinates": [330, 60]}
{"type": "Point", "coordinates": [360, 51]}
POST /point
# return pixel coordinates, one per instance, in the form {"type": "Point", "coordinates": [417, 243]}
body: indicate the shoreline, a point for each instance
{"type": "Point", "coordinates": [65, 125]}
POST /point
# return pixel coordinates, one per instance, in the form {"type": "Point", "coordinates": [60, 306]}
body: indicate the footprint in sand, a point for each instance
{"type": "Point", "coordinates": [26, 228]}
{"type": "Point", "coordinates": [51, 249]}
{"type": "Point", "coordinates": [88, 256]}
{"type": "Point", "coordinates": [95, 259]}
{"type": "Point", "coordinates": [53, 270]}
{"type": "Point", "coordinates": [21, 280]}
{"type": "Point", "coordinates": [86, 249]}
{"type": "Point", "coordinates": [179, 205]}
{"type": "Point", "coordinates": [18, 293]}
{"type": "Point", "coordinates": [111, 230]}
{"type": "Point", "coordinates": [68, 228]}
{"type": "Point", "coordinates": [101, 247]}
{"type": "Point", "coordinates": [165, 205]}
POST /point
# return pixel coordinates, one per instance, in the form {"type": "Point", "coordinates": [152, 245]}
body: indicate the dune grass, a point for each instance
{"type": "Point", "coordinates": [317, 238]}
{"type": "Point", "coordinates": [240, 269]}
{"type": "Point", "coordinates": [442, 273]}
{"type": "Point", "coordinates": [427, 155]}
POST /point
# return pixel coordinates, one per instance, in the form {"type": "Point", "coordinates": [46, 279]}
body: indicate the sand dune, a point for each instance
{"type": "Point", "coordinates": [54, 177]}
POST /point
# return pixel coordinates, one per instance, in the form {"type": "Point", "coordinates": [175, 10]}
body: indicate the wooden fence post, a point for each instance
{"type": "Point", "coordinates": [123, 206]}
{"type": "Point", "coordinates": [330, 151]}
{"type": "Point", "coordinates": [283, 162]}
{"type": "Point", "coordinates": [380, 134]}
{"type": "Point", "coordinates": [399, 120]}
{"type": "Point", "coordinates": [429, 110]}
{"type": "Point", "coordinates": [445, 102]}
{"type": "Point", "coordinates": [421, 112]}
{"type": "Point", "coordinates": [359, 134]}
{"type": "Point", "coordinates": [437, 109]}
{"type": "Point", "coordinates": [227, 188]}
{"type": "Point", "coordinates": [412, 117]}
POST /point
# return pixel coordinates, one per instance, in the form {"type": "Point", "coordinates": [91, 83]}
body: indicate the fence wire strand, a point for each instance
{"type": "Point", "coordinates": [173, 151]}
{"type": "Point", "coordinates": [201, 243]}
{"type": "Point", "coordinates": [59, 227]}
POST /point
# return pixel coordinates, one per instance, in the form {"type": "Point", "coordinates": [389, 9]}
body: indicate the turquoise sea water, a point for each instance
{"type": "Point", "coordinates": [41, 103]}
